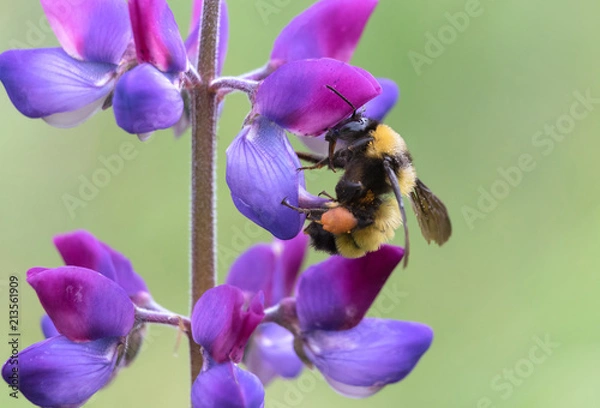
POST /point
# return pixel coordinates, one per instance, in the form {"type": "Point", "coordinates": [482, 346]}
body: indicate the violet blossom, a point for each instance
{"type": "Point", "coordinates": [92, 324]}
{"type": "Point", "coordinates": [128, 55]}
{"type": "Point", "coordinates": [324, 322]}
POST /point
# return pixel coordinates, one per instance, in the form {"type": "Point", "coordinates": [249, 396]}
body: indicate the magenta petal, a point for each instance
{"type": "Point", "coordinates": [221, 325]}
{"type": "Point", "coordinates": [48, 328]}
{"type": "Point", "coordinates": [146, 100]}
{"type": "Point", "coordinates": [227, 386]}
{"type": "Point", "coordinates": [157, 39]}
{"type": "Point", "coordinates": [43, 82]}
{"type": "Point", "coordinates": [271, 353]}
{"type": "Point", "coordinates": [328, 29]}
{"type": "Point", "coordinates": [91, 30]}
{"type": "Point", "coordinates": [83, 304]}
{"type": "Point", "coordinates": [59, 373]}
{"type": "Point", "coordinates": [359, 362]}
{"type": "Point", "coordinates": [379, 107]}
{"type": "Point", "coordinates": [191, 43]}
{"type": "Point", "coordinates": [296, 96]}
{"type": "Point", "coordinates": [262, 172]}
{"type": "Point", "coordinates": [336, 294]}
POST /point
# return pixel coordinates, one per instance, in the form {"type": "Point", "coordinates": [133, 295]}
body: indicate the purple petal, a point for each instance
{"type": "Point", "coordinates": [59, 373]}
{"type": "Point", "coordinates": [221, 326]}
{"type": "Point", "coordinates": [261, 172]}
{"type": "Point", "coordinates": [379, 107]}
{"type": "Point", "coordinates": [43, 82]}
{"type": "Point", "coordinates": [83, 304]}
{"type": "Point", "coordinates": [227, 386]}
{"type": "Point", "coordinates": [91, 30]}
{"type": "Point", "coordinates": [328, 29]}
{"type": "Point", "coordinates": [336, 294]}
{"type": "Point", "coordinates": [146, 100]}
{"type": "Point", "coordinates": [80, 248]}
{"type": "Point", "coordinates": [359, 362]}
{"type": "Point", "coordinates": [271, 353]}
{"type": "Point", "coordinates": [191, 43]}
{"type": "Point", "coordinates": [48, 328]}
{"type": "Point", "coordinates": [157, 39]}
{"type": "Point", "coordinates": [296, 96]}
{"type": "Point", "coordinates": [253, 271]}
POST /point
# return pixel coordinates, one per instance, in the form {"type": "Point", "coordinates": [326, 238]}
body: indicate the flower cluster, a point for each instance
{"type": "Point", "coordinates": [128, 55]}
{"type": "Point", "coordinates": [94, 327]}
{"type": "Point", "coordinates": [267, 316]}
{"type": "Point", "coordinates": [318, 318]}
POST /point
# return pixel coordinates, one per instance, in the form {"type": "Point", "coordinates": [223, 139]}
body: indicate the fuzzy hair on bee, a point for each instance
{"type": "Point", "coordinates": [376, 162]}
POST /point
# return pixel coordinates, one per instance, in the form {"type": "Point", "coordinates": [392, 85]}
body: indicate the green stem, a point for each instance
{"type": "Point", "coordinates": [203, 269]}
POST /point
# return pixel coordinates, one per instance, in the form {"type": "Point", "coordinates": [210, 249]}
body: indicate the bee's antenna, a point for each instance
{"type": "Point", "coordinates": [396, 188]}
{"type": "Point", "coordinates": [335, 91]}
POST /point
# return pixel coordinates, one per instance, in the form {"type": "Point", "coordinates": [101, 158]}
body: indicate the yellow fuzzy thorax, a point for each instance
{"type": "Point", "coordinates": [389, 143]}
{"type": "Point", "coordinates": [357, 243]}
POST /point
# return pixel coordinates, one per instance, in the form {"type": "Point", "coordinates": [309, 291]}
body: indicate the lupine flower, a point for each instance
{"type": "Point", "coordinates": [356, 355]}
{"type": "Point", "coordinates": [67, 85]}
{"type": "Point", "coordinates": [128, 55]}
{"type": "Point", "coordinates": [92, 328]}
{"type": "Point", "coordinates": [261, 164]}
{"type": "Point", "coordinates": [272, 269]}
{"type": "Point", "coordinates": [222, 325]}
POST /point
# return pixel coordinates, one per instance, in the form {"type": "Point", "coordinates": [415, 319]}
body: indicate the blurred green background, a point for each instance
{"type": "Point", "coordinates": [521, 267]}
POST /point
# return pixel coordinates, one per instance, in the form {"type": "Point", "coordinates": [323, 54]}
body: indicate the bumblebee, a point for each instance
{"type": "Point", "coordinates": [362, 216]}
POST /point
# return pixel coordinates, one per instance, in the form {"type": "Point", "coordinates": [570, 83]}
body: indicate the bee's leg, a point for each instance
{"type": "Point", "coordinates": [326, 194]}
{"type": "Point", "coordinates": [320, 161]}
{"type": "Point", "coordinates": [311, 214]}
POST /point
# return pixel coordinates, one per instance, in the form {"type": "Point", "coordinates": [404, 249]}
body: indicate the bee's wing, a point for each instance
{"type": "Point", "coordinates": [431, 213]}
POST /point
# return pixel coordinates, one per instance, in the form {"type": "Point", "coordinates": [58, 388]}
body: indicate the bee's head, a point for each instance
{"type": "Point", "coordinates": [352, 128]}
